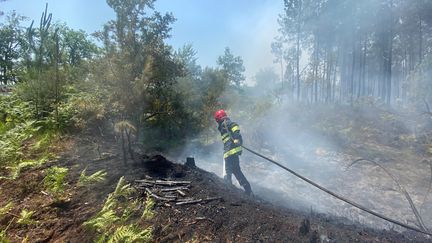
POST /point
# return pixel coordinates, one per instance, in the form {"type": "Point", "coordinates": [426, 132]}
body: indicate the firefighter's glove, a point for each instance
{"type": "Point", "coordinates": [236, 142]}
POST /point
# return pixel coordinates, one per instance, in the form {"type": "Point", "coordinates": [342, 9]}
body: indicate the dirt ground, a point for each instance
{"type": "Point", "coordinates": [233, 217]}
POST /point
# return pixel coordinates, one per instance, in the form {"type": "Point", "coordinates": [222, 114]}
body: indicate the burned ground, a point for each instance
{"type": "Point", "coordinates": [231, 217]}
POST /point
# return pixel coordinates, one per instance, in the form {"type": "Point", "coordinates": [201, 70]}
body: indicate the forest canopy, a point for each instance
{"type": "Point", "coordinates": [327, 51]}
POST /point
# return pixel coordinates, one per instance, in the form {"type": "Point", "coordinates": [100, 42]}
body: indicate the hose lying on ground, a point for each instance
{"type": "Point", "coordinates": [338, 196]}
{"type": "Point", "coordinates": [401, 188]}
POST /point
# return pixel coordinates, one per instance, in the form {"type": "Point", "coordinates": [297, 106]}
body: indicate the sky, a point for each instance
{"type": "Point", "coordinates": [247, 27]}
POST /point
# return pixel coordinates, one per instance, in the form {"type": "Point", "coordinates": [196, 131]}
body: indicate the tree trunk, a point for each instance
{"type": "Point", "coordinates": [351, 92]}
{"type": "Point", "coordinates": [389, 58]}
{"type": "Point", "coordinates": [298, 62]}
{"type": "Point", "coordinates": [420, 40]}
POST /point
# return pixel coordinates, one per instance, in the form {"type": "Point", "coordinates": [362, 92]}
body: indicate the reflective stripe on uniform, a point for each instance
{"type": "Point", "coordinates": [225, 137]}
{"type": "Point", "coordinates": [232, 151]}
{"type": "Point", "coordinates": [235, 128]}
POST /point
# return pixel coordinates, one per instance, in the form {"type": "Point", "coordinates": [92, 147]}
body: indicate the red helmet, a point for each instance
{"type": "Point", "coordinates": [219, 115]}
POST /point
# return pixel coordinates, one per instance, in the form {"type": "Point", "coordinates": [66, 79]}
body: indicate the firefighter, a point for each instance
{"type": "Point", "coordinates": [232, 141]}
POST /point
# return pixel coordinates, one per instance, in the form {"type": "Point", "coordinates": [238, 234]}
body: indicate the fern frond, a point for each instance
{"type": "Point", "coordinates": [122, 189]}
{"type": "Point", "coordinates": [96, 177]}
{"type": "Point", "coordinates": [109, 204]}
{"type": "Point", "coordinates": [16, 169]}
{"type": "Point", "coordinates": [3, 237]}
{"type": "Point", "coordinates": [25, 217]}
{"type": "Point", "coordinates": [103, 221]}
{"type": "Point", "coordinates": [113, 228]}
{"type": "Point", "coordinates": [54, 180]}
{"type": "Point", "coordinates": [131, 233]}
{"type": "Point", "coordinates": [129, 210]}
{"type": "Point", "coordinates": [148, 209]}
{"type": "Point", "coordinates": [5, 209]}
{"type": "Point", "coordinates": [121, 233]}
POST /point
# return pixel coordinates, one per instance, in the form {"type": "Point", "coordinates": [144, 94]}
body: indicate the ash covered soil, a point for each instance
{"type": "Point", "coordinates": [230, 217]}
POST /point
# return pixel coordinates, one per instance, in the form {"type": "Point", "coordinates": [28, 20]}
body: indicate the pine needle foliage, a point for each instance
{"type": "Point", "coordinates": [94, 178]}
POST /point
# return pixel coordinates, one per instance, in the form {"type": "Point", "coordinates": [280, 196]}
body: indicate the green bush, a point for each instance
{"type": "Point", "coordinates": [83, 110]}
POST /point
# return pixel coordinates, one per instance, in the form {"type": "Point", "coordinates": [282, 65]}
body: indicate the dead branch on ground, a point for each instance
{"type": "Point", "coordinates": [163, 183]}
{"type": "Point", "coordinates": [193, 201]}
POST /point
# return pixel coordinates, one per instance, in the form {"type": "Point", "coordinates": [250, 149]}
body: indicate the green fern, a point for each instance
{"type": "Point", "coordinates": [3, 236]}
{"type": "Point", "coordinates": [129, 210]}
{"type": "Point", "coordinates": [107, 217]}
{"type": "Point", "coordinates": [54, 180]}
{"type": "Point", "coordinates": [5, 209]}
{"type": "Point", "coordinates": [96, 177]}
{"type": "Point", "coordinates": [111, 221]}
{"type": "Point", "coordinates": [16, 169]}
{"type": "Point", "coordinates": [122, 189]}
{"type": "Point", "coordinates": [131, 233]}
{"type": "Point", "coordinates": [103, 221]}
{"type": "Point", "coordinates": [109, 204]}
{"type": "Point", "coordinates": [11, 141]}
{"type": "Point", "coordinates": [25, 217]}
{"type": "Point", "coordinates": [148, 209]}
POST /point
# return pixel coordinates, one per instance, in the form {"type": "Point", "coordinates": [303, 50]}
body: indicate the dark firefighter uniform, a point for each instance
{"type": "Point", "coordinates": [232, 141]}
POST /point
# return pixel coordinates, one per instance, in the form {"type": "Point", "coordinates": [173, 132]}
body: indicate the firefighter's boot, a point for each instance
{"type": "Point", "coordinates": [228, 179]}
{"type": "Point", "coordinates": [248, 190]}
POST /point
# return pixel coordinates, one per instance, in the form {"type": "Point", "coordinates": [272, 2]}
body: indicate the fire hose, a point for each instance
{"type": "Point", "coordinates": [352, 203]}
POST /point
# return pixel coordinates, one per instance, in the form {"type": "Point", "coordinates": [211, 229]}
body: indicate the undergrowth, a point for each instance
{"type": "Point", "coordinates": [24, 140]}
{"type": "Point", "coordinates": [54, 180]}
{"type": "Point", "coordinates": [114, 222]}
{"type": "Point", "coordinates": [26, 217]}
{"type": "Point", "coordinates": [5, 209]}
{"type": "Point", "coordinates": [88, 180]}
